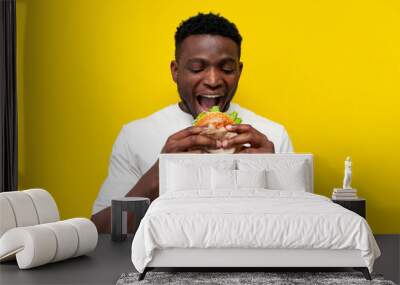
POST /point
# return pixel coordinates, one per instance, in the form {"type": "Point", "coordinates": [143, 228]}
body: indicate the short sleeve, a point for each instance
{"type": "Point", "coordinates": [286, 144]}
{"type": "Point", "coordinates": [123, 173]}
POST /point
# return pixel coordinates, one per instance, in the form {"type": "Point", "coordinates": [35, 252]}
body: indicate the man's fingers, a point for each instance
{"type": "Point", "coordinates": [241, 128]}
{"type": "Point", "coordinates": [239, 140]}
{"type": "Point", "coordinates": [195, 142]}
{"type": "Point", "coordinates": [246, 135]}
{"type": "Point", "coordinates": [186, 132]}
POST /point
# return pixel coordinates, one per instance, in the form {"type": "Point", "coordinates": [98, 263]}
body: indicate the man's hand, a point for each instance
{"type": "Point", "coordinates": [256, 141]}
{"type": "Point", "coordinates": [188, 140]}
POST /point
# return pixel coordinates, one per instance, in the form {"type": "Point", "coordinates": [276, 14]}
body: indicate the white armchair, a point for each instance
{"type": "Point", "coordinates": [31, 232]}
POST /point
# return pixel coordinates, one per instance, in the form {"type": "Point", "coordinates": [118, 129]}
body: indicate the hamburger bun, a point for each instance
{"type": "Point", "coordinates": [216, 123]}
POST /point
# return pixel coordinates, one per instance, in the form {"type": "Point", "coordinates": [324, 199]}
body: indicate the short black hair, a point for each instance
{"type": "Point", "coordinates": [206, 24]}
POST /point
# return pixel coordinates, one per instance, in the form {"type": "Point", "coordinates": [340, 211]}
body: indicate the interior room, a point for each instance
{"type": "Point", "coordinates": [206, 142]}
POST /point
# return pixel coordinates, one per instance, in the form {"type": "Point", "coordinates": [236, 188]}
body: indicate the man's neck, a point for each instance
{"type": "Point", "coordinates": [183, 107]}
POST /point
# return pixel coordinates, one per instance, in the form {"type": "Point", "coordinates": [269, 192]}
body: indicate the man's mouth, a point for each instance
{"type": "Point", "coordinates": [206, 101]}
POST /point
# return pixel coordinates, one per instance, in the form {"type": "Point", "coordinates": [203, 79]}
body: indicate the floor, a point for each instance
{"type": "Point", "coordinates": [102, 266]}
{"type": "Point", "coordinates": [110, 260]}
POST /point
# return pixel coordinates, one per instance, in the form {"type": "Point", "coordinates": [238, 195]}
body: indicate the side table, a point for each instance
{"type": "Point", "coordinates": [119, 208]}
{"type": "Point", "coordinates": [357, 205]}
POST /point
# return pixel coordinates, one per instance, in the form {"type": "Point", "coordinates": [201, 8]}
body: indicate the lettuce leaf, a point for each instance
{"type": "Point", "coordinates": [238, 120]}
{"type": "Point", "coordinates": [233, 115]}
{"type": "Point", "coordinates": [214, 109]}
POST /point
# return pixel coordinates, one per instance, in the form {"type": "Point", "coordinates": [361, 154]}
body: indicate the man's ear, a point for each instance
{"type": "Point", "coordinates": [174, 70]}
{"type": "Point", "coordinates": [240, 70]}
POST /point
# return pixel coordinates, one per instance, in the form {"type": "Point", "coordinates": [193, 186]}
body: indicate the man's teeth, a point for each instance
{"type": "Point", "coordinates": [212, 96]}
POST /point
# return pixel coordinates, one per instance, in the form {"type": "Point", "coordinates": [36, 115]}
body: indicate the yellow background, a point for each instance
{"type": "Point", "coordinates": [327, 70]}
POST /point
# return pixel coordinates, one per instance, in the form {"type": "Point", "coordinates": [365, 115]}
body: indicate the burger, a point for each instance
{"type": "Point", "coordinates": [215, 122]}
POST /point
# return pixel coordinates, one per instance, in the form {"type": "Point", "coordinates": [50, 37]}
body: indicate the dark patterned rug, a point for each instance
{"type": "Point", "coordinates": [269, 278]}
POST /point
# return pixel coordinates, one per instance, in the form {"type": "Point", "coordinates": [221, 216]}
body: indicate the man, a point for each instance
{"type": "Point", "coordinates": [206, 70]}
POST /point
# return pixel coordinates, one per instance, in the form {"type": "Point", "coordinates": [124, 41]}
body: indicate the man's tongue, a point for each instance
{"type": "Point", "coordinates": [207, 103]}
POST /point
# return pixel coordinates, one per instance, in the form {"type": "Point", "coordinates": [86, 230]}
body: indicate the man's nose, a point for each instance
{"type": "Point", "coordinates": [213, 78]}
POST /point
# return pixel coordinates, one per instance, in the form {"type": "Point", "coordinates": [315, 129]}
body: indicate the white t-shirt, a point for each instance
{"type": "Point", "coordinates": [140, 142]}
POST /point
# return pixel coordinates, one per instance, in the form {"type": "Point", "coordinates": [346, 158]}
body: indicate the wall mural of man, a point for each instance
{"type": "Point", "coordinates": [206, 70]}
